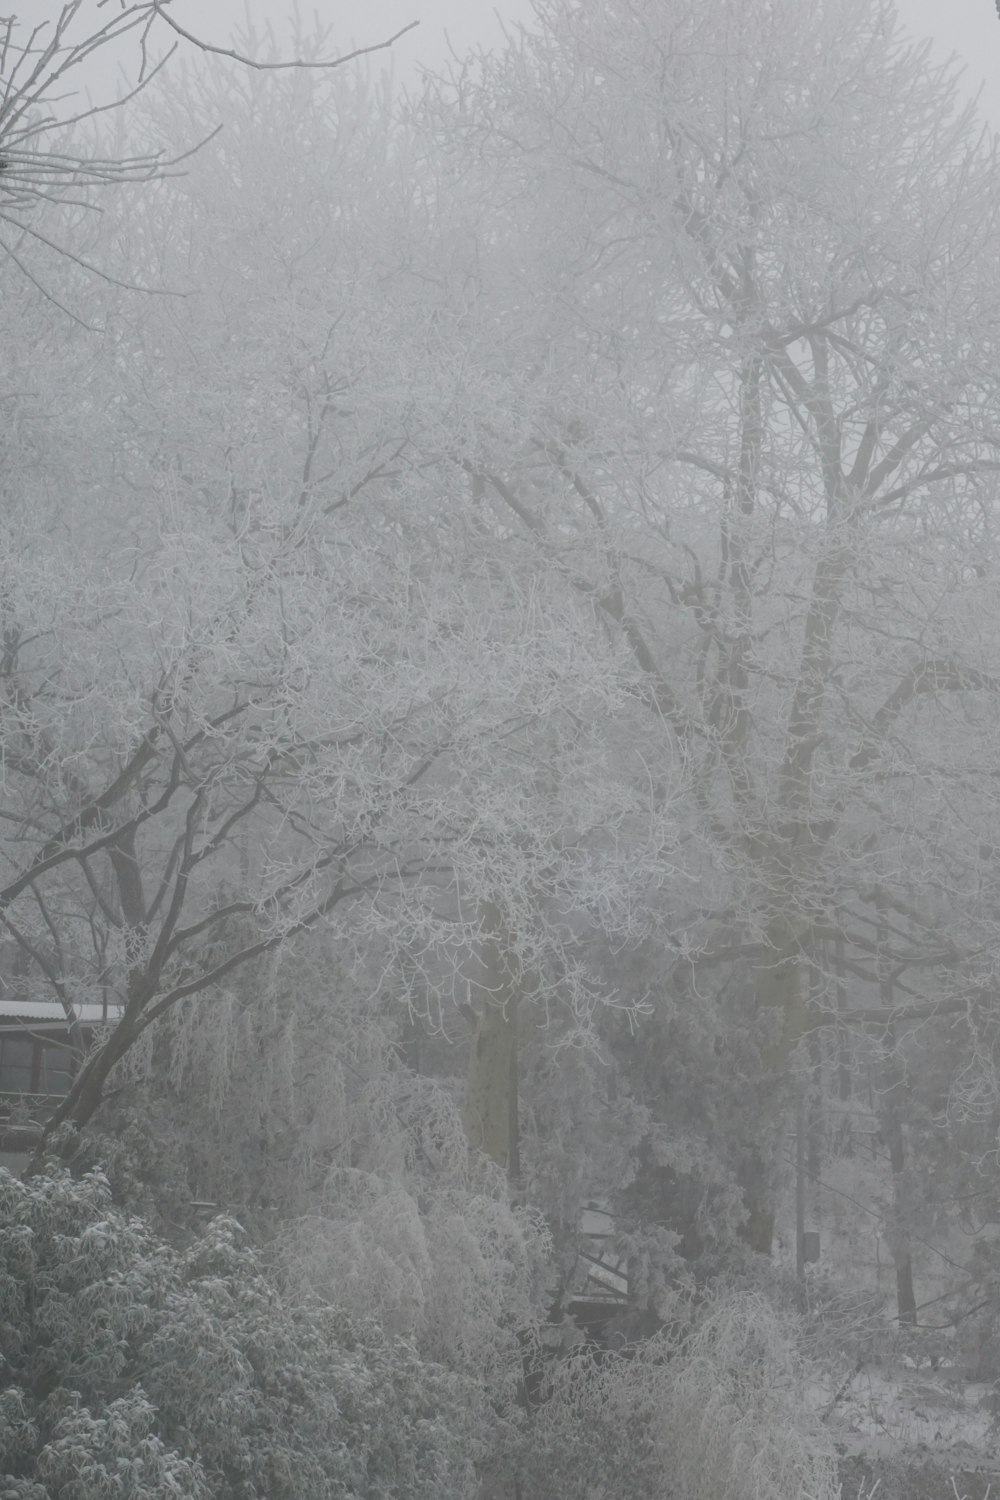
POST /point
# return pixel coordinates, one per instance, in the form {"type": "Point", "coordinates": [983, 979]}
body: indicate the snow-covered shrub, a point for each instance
{"type": "Point", "coordinates": [454, 1268]}
{"type": "Point", "coordinates": [717, 1414]}
{"type": "Point", "coordinates": [136, 1371]}
{"type": "Point", "coordinates": [738, 1428]}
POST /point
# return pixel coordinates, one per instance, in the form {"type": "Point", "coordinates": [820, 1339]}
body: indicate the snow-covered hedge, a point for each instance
{"type": "Point", "coordinates": [131, 1370]}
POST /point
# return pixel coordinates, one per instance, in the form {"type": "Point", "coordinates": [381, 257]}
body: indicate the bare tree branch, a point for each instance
{"type": "Point", "coordinates": [297, 62]}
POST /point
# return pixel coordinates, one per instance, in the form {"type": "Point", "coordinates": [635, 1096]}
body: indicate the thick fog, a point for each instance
{"type": "Point", "coordinates": [500, 751]}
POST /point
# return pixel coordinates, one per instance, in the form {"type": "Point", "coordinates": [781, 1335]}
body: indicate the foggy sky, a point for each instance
{"type": "Point", "coordinates": [968, 28]}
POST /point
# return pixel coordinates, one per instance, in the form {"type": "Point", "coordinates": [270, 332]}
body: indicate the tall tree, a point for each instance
{"type": "Point", "coordinates": [267, 670]}
{"type": "Point", "coordinates": [742, 261]}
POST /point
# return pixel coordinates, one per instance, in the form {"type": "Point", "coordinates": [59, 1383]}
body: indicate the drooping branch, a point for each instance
{"type": "Point", "coordinates": [159, 8]}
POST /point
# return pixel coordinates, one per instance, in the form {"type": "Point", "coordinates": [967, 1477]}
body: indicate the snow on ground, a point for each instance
{"type": "Point", "coordinates": [909, 1409]}
{"type": "Point", "coordinates": [906, 1433]}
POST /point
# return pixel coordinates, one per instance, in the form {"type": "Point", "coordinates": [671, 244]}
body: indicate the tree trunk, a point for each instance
{"type": "Point", "coordinates": [845, 1088]}
{"type": "Point", "coordinates": [758, 1229]}
{"type": "Point", "coordinates": [781, 997]}
{"type": "Point", "coordinates": [489, 1106]}
{"type": "Point", "coordinates": [891, 1086]}
{"type": "Point", "coordinates": [892, 1130]}
{"type": "Point", "coordinates": [800, 1182]}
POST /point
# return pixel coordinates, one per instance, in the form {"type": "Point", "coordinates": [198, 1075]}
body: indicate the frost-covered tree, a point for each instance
{"type": "Point", "coordinates": [288, 1103]}
{"type": "Point", "coordinates": [262, 668]}
{"type": "Point", "coordinates": [734, 288]}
